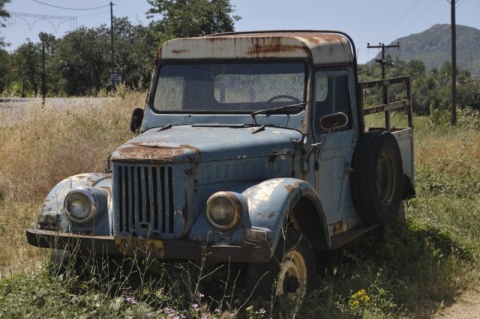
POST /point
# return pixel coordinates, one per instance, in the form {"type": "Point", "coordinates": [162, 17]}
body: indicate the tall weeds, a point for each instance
{"type": "Point", "coordinates": [408, 270]}
{"type": "Point", "coordinates": [40, 146]}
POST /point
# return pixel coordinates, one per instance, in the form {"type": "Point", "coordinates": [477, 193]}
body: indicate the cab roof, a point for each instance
{"type": "Point", "coordinates": [323, 47]}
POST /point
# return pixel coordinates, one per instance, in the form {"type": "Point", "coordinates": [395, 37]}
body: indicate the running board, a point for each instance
{"type": "Point", "coordinates": [345, 237]}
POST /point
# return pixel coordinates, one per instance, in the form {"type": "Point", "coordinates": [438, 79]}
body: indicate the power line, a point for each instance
{"type": "Point", "coordinates": [401, 19]}
{"type": "Point", "coordinates": [65, 8]}
{"type": "Point", "coordinates": [449, 13]}
{"type": "Point", "coordinates": [428, 9]}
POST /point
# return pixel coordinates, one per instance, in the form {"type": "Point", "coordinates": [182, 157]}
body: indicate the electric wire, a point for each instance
{"type": "Point", "coordinates": [418, 18]}
{"type": "Point", "coordinates": [448, 14]}
{"type": "Point", "coordinates": [65, 8]}
{"type": "Point", "coordinates": [401, 20]}
{"type": "Point", "coordinates": [438, 21]}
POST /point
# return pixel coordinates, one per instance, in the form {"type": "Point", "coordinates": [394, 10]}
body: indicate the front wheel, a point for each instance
{"type": "Point", "coordinates": [290, 272]}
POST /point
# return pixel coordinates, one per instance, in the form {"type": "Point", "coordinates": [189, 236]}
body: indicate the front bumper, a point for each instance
{"type": "Point", "coordinates": [168, 250]}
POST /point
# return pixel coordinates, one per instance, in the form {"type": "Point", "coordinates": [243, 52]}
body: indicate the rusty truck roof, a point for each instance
{"type": "Point", "coordinates": [323, 47]}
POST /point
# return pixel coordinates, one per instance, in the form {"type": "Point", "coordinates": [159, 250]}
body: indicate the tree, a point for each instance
{"type": "Point", "coordinates": [189, 18]}
{"type": "Point", "coordinates": [445, 71]}
{"type": "Point", "coordinates": [79, 63]}
{"type": "Point", "coordinates": [134, 52]}
{"type": "Point", "coordinates": [3, 14]}
{"type": "Point", "coordinates": [4, 69]}
{"type": "Point", "coordinates": [416, 66]}
{"type": "Point", "coordinates": [469, 95]}
{"type": "Point", "coordinates": [27, 59]}
{"type": "Point", "coordinates": [82, 60]}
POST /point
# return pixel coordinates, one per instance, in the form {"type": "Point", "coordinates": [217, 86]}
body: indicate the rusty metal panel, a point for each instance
{"type": "Point", "coordinates": [322, 47]}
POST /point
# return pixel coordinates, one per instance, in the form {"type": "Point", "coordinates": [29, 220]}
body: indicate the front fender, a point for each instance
{"type": "Point", "coordinates": [271, 202]}
{"type": "Point", "coordinates": [51, 215]}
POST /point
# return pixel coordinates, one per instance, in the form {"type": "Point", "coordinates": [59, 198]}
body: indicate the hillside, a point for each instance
{"type": "Point", "coordinates": [433, 47]}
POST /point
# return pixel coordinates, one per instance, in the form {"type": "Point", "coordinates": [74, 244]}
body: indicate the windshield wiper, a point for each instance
{"type": "Point", "coordinates": [278, 109]}
{"type": "Point", "coordinates": [220, 125]}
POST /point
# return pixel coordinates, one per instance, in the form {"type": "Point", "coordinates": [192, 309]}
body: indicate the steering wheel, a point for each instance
{"type": "Point", "coordinates": [276, 97]}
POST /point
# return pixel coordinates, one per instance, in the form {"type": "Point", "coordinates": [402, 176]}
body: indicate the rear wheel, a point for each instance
{"type": "Point", "coordinates": [290, 272]}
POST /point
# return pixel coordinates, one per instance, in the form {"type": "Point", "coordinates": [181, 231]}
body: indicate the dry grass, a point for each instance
{"type": "Point", "coordinates": [411, 273]}
{"type": "Point", "coordinates": [40, 146]}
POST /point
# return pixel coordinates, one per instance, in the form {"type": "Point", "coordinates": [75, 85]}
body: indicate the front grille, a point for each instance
{"type": "Point", "coordinates": [144, 204]}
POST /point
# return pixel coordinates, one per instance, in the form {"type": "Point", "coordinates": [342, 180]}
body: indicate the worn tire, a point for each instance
{"type": "Point", "coordinates": [377, 178]}
{"type": "Point", "coordinates": [290, 272]}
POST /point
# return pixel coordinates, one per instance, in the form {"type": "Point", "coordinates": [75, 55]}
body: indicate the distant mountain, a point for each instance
{"type": "Point", "coordinates": [433, 47]}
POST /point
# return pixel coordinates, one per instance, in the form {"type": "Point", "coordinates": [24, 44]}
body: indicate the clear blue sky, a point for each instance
{"type": "Point", "coordinates": [367, 21]}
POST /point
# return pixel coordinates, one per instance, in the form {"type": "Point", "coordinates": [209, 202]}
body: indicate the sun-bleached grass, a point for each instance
{"type": "Point", "coordinates": [40, 146]}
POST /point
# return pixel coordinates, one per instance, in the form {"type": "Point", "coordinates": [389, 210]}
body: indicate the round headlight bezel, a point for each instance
{"type": "Point", "coordinates": [73, 198]}
{"type": "Point", "coordinates": [216, 204]}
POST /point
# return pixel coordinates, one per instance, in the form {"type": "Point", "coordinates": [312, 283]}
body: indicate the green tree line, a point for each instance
{"type": "Point", "coordinates": [80, 63]}
{"type": "Point", "coordinates": [431, 89]}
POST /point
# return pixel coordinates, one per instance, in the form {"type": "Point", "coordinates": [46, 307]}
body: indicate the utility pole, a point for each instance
{"type": "Point", "coordinates": [454, 63]}
{"type": "Point", "coordinates": [111, 35]}
{"type": "Point", "coordinates": [43, 37]}
{"type": "Point", "coordinates": [384, 62]}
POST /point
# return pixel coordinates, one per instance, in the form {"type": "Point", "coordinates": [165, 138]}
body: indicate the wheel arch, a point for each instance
{"type": "Point", "coordinates": [307, 215]}
{"type": "Point", "coordinates": [55, 197]}
{"type": "Point", "coordinates": [287, 202]}
{"type": "Point", "coordinates": [54, 201]}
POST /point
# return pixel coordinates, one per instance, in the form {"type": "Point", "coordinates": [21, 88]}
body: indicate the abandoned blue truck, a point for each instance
{"type": "Point", "coordinates": [251, 149]}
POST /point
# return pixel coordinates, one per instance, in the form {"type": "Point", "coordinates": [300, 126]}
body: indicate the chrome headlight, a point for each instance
{"type": "Point", "coordinates": [81, 204]}
{"type": "Point", "coordinates": [224, 210]}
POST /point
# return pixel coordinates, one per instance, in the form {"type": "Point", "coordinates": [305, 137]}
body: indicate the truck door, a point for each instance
{"type": "Point", "coordinates": [333, 94]}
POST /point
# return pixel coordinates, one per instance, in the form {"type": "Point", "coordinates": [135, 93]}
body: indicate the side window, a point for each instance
{"type": "Point", "coordinates": [332, 95]}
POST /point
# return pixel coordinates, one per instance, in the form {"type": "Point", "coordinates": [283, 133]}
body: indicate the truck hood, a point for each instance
{"type": "Point", "coordinates": [207, 143]}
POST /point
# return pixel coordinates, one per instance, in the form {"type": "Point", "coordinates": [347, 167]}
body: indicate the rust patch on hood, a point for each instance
{"type": "Point", "coordinates": [155, 151]}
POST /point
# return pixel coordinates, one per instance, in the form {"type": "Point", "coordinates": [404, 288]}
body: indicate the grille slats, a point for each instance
{"type": "Point", "coordinates": [144, 199]}
{"type": "Point", "coordinates": [170, 198]}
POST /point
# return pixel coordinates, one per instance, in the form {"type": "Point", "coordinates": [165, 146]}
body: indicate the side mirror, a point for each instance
{"type": "Point", "coordinates": [137, 118]}
{"type": "Point", "coordinates": [334, 121]}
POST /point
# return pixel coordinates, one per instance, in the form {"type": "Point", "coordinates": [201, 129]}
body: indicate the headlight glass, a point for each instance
{"type": "Point", "coordinates": [224, 210]}
{"type": "Point", "coordinates": [80, 205]}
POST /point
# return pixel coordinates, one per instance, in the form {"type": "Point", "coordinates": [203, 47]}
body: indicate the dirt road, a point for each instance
{"type": "Point", "coordinates": [467, 307]}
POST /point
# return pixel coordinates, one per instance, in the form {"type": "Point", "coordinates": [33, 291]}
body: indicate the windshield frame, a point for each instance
{"type": "Point", "coordinates": [259, 105]}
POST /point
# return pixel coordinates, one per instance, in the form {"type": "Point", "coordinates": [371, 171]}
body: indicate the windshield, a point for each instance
{"type": "Point", "coordinates": [229, 87]}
